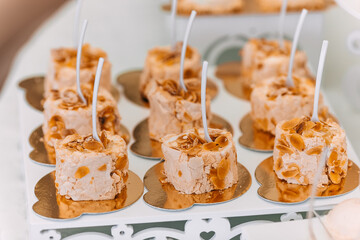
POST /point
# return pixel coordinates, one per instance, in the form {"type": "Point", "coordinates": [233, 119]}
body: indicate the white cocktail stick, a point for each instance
{"type": "Point", "coordinates": [183, 50]}
{"type": "Point", "coordinates": [94, 100]}
{"type": "Point", "coordinates": [281, 23]}
{"type": "Point", "coordinates": [76, 22]}
{"type": "Point", "coordinates": [289, 80]}
{"type": "Point", "coordinates": [173, 24]}
{"type": "Point", "coordinates": [78, 62]}
{"type": "Point", "coordinates": [203, 100]}
{"type": "Point", "coordinates": [311, 212]}
{"type": "Point", "coordinates": [315, 117]}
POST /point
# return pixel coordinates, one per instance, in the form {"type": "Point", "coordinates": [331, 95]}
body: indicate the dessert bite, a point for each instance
{"type": "Point", "coordinates": [172, 110]}
{"type": "Point", "coordinates": [65, 114]}
{"type": "Point", "coordinates": [164, 63]}
{"type": "Point", "coordinates": [194, 166]}
{"type": "Point", "coordinates": [272, 101]}
{"type": "Point", "coordinates": [62, 68]}
{"type": "Point", "coordinates": [299, 144]}
{"type": "Point", "coordinates": [262, 59]}
{"type": "Point", "coordinates": [343, 221]}
{"type": "Point", "coordinates": [292, 5]}
{"type": "Point", "coordinates": [210, 6]}
{"type": "Point", "coordinates": [90, 170]}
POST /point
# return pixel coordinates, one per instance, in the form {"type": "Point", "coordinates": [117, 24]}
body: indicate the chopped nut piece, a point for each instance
{"type": "Point", "coordinates": [82, 172]}
{"type": "Point", "coordinates": [297, 141]}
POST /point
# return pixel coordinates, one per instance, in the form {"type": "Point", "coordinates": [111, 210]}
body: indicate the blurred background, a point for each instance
{"type": "Point", "coordinates": [126, 29]}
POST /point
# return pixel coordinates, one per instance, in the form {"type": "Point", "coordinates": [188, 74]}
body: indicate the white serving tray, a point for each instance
{"type": "Point", "coordinates": [294, 230]}
{"type": "Point", "coordinates": [229, 107]}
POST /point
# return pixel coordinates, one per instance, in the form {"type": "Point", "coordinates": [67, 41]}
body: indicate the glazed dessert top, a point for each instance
{"type": "Point", "coordinates": [275, 87]}
{"type": "Point", "coordinates": [88, 144]}
{"type": "Point", "coordinates": [68, 99]}
{"type": "Point", "coordinates": [167, 56]}
{"type": "Point", "coordinates": [67, 56]}
{"type": "Point", "coordinates": [193, 142]}
{"type": "Point", "coordinates": [300, 128]}
{"type": "Point", "coordinates": [271, 47]}
{"type": "Point", "coordinates": [173, 88]}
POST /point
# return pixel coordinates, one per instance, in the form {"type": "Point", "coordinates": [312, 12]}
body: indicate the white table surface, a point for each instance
{"type": "Point", "coordinates": [115, 26]}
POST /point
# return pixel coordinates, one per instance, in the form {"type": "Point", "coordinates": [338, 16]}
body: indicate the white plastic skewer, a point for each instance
{"type": "Point", "coordinates": [173, 24]}
{"type": "Point", "coordinates": [76, 22]}
{"type": "Point", "coordinates": [281, 23]}
{"type": "Point", "coordinates": [289, 80]}
{"type": "Point", "coordinates": [315, 117]}
{"type": "Point", "coordinates": [203, 100]}
{"type": "Point", "coordinates": [78, 61]}
{"type": "Point", "coordinates": [94, 100]}
{"type": "Point", "coordinates": [183, 50]}
{"type": "Point", "coordinates": [311, 211]}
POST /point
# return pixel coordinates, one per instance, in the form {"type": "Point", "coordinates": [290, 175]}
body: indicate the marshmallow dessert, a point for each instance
{"type": "Point", "coordinates": [65, 114]}
{"type": "Point", "coordinates": [172, 110]}
{"type": "Point", "coordinates": [164, 63]}
{"type": "Point", "coordinates": [292, 5]}
{"type": "Point", "coordinates": [299, 144]}
{"type": "Point", "coordinates": [272, 101]}
{"type": "Point", "coordinates": [262, 59]}
{"type": "Point", "coordinates": [90, 170]}
{"type": "Point", "coordinates": [194, 166]}
{"type": "Point", "coordinates": [210, 6]}
{"type": "Point", "coordinates": [62, 68]}
{"type": "Point", "coordinates": [343, 221]}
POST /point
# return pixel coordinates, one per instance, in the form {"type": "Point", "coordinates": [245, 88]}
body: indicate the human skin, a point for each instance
{"type": "Point", "coordinates": [18, 21]}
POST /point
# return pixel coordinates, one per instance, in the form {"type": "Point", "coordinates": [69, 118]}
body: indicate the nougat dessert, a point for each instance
{"type": "Point", "coordinates": [292, 5]}
{"type": "Point", "coordinates": [262, 59]}
{"type": "Point", "coordinates": [210, 6]}
{"type": "Point", "coordinates": [172, 110]}
{"type": "Point", "coordinates": [62, 68]}
{"type": "Point", "coordinates": [65, 114]}
{"type": "Point", "coordinates": [299, 144]}
{"type": "Point", "coordinates": [90, 170]}
{"type": "Point", "coordinates": [164, 63]}
{"type": "Point", "coordinates": [194, 166]}
{"type": "Point", "coordinates": [272, 101]}
{"type": "Point", "coordinates": [343, 221]}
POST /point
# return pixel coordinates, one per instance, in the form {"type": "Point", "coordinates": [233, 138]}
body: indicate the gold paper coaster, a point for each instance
{"type": "Point", "coordinates": [40, 154]}
{"type": "Point", "coordinates": [34, 88]}
{"type": "Point", "coordinates": [275, 190]}
{"type": "Point", "coordinates": [51, 205]}
{"type": "Point", "coordinates": [131, 83]}
{"type": "Point", "coordinates": [234, 82]}
{"type": "Point", "coordinates": [254, 139]}
{"type": "Point", "coordinates": [165, 196]}
{"type": "Point", "coordinates": [151, 149]}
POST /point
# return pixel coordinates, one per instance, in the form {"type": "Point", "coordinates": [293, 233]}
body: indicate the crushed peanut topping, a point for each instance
{"type": "Point", "coordinates": [77, 143]}
{"type": "Point", "coordinates": [67, 56]}
{"type": "Point", "coordinates": [172, 57]}
{"type": "Point", "coordinates": [173, 88]}
{"type": "Point", "coordinates": [279, 87]}
{"type": "Point", "coordinates": [300, 128]}
{"type": "Point", "coordinates": [193, 143]}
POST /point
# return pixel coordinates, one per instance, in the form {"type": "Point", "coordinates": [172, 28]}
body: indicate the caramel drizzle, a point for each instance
{"type": "Point", "coordinates": [67, 57]}
{"type": "Point", "coordinates": [78, 143]}
{"type": "Point", "coordinates": [193, 143]}
{"type": "Point", "coordinates": [173, 88]}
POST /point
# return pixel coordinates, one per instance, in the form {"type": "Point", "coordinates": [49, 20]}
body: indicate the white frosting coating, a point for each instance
{"type": "Point", "coordinates": [60, 75]}
{"type": "Point", "coordinates": [272, 101]}
{"type": "Point", "coordinates": [263, 59]}
{"type": "Point", "coordinates": [103, 181]}
{"type": "Point", "coordinates": [306, 163]}
{"type": "Point", "coordinates": [161, 63]}
{"type": "Point", "coordinates": [191, 174]}
{"type": "Point", "coordinates": [172, 114]}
